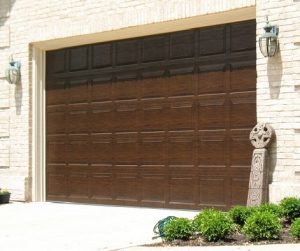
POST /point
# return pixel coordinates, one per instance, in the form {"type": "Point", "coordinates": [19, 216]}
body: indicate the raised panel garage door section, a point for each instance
{"type": "Point", "coordinates": [159, 121]}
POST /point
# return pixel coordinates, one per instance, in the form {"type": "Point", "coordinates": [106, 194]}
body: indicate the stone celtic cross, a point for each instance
{"type": "Point", "coordinates": [261, 138]}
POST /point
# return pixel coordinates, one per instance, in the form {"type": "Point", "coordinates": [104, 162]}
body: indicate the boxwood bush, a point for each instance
{"type": "Point", "coordinates": [213, 225]}
{"type": "Point", "coordinates": [178, 229]}
{"type": "Point", "coordinates": [239, 214]}
{"type": "Point", "coordinates": [262, 226]}
{"type": "Point", "coordinates": [295, 229]}
{"type": "Point", "coordinates": [290, 208]}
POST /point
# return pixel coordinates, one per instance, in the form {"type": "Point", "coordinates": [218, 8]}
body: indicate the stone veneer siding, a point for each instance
{"type": "Point", "coordinates": [25, 24]}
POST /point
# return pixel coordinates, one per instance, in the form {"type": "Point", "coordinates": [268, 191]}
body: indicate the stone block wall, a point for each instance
{"type": "Point", "coordinates": [278, 94]}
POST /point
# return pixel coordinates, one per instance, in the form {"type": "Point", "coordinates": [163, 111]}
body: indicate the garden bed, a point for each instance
{"type": "Point", "coordinates": [236, 239]}
{"type": "Point", "coordinates": [265, 224]}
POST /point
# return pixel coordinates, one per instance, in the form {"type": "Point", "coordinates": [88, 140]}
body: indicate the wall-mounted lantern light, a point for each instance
{"type": "Point", "coordinates": [13, 71]}
{"type": "Point", "coordinates": [268, 42]}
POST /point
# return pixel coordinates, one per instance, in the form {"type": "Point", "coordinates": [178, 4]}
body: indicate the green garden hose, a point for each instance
{"type": "Point", "coordinates": [160, 225]}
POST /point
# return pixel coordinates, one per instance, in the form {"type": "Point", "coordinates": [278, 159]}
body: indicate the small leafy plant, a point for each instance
{"type": "Point", "coordinates": [295, 229]}
{"type": "Point", "coordinates": [290, 208]}
{"type": "Point", "coordinates": [214, 225]}
{"type": "Point", "coordinates": [4, 191]}
{"type": "Point", "coordinates": [178, 229]}
{"type": "Point", "coordinates": [262, 226]}
{"type": "Point", "coordinates": [239, 214]}
{"type": "Point", "coordinates": [271, 208]}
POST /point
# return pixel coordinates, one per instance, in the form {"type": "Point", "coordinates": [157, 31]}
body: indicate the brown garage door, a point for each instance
{"type": "Point", "coordinates": [158, 121]}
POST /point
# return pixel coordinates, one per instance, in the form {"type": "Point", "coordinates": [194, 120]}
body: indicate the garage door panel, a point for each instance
{"type": "Point", "coordinates": [126, 116]}
{"type": "Point", "coordinates": [181, 44]}
{"type": "Point", "coordinates": [57, 180]}
{"type": "Point", "coordinates": [125, 89]}
{"type": "Point", "coordinates": [78, 151]}
{"type": "Point", "coordinates": [155, 86]}
{"type": "Point", "coordinates": [212, 41]}
{"type": "Point", "coordinates": [126, 52]}
{"type": "Point", "coordinates": [181, 148]}
{"type": "Point", "coordinates": [153, 115]}
{"type": "Point", "coordinates": [56, 61]}
{"type": "Point", "coordinates": [126, 145]}
{"type": "Point", "coordinates": [240, 148]}
{"type": "Point", "coordinates": [182, 189]}
{"type": "Point", "coordinates": [78, 181]}
{"type": "Point", "coordinates": [213, 191]}
{"type": "Point", "coordinates": [101, 117]}
{"type": "Point", "coordinates": [101, 88]}
{"type": "Point", "coordinates": [159, 121]}
{"type": "Point", "coordinates": [55, 122]}
{"type": "Point", "coordinates": [212, 149]}
{"type": "Point", "coordinates": [101, 187]}
{"type": "Point", "coordinates": [153, 148]}
{"type": "Point", "coordinates": [181, 114]}
{"type": "Point", "coordinates": [153, 188]}
{"type": "Point", "coordinates": [78, 91]}
{"type": "Point", "coordinates": [153, 48]}
{"type": "Point", "coordinates": [101, 149]}
{"type": "Point", "coordinates": [126, 184]}
{"type": "Point", "coordinates": [56, 151]}
{"type": "Point", "coordinates": [101, 182]}
{"type": "Point", "coordinates": [56, 185]}
{"type": "Point", "coordinates": [243, 36]}
{"type": "Point", "coordinates": [78, 58]}
{"type": "Point", "coordinates": [56, 93]}
{"type": "Point", "coordinates": [77, 121]}
{"type": "Point", "coordinates": [184, 81]}
{"type": "Point", "coordinates": [239, 190]}
{"type": "Point", "coordinates": [242, 80]}
{"type": "Point", "coordinates": [101, 55]}
{"type": "Point", "coordinates": [212, 112]}
{"type": "Point", "coordinates": [212, 82]}
{"type": "Point", "coordinates": [241, 104]}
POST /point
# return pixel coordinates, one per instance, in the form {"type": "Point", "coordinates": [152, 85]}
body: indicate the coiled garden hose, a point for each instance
{"type": "Point", "coordinates": [160, 225]}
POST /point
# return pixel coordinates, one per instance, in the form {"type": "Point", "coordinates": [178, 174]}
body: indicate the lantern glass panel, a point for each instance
{"type": "Point", "coordinates": [272, 46]}
{"type": "Point", "coordinates": [263, 46]}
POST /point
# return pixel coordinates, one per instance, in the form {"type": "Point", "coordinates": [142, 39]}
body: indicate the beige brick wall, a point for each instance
{"type": "Point", "coordinates": [54, 24]}
{"type": "Point", "coordinates": [278, 95]}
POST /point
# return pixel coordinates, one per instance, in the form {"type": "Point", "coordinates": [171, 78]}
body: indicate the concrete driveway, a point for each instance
{"type": "Point", "coordinates": [77, 227]}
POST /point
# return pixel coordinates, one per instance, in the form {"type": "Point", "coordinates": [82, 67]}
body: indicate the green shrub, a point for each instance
{"type": "Point", "coordinates": [295, 229]}
{"type": "Point", "coordinates": [271, 208]}
{"type": "Point", "coordinates": [178, 229]}
{"type": "Point", "coordinates": [290, 208]}
{"type": "Point", "coordinates": [213, 225]}
{"type": "Point", "coordinates": [4, 191]}
{"type": "Point", "coordinates": [262, 226]}
{"type": "Point", "coordinates": [202, 216]}
{"type": "Point", "coordinates": [239, 214]}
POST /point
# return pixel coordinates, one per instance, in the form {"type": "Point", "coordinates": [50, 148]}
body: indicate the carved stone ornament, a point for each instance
{"type": "Point", "coordinates": [262, 135]}
{"type": "Point", "coordinates": [255, 197]}
{"type": "Point", "coordinates": [258, 183]}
